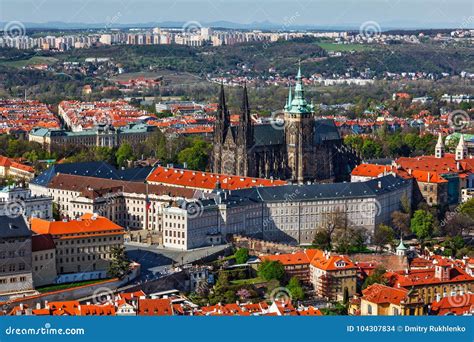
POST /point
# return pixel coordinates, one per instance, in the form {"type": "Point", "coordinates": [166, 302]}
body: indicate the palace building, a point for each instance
{"type": "Point", "coordinates": [300, 149]}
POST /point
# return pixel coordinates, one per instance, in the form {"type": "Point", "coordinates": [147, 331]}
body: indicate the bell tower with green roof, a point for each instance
{"type": "Point", "coordinates": [299, 131]}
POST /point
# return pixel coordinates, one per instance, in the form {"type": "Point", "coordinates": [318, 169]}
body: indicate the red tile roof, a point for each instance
{"type": "Point", "coordinates": [454, 305]}
{"type": "Point", "coordinates": [329, 262]}
{"type": "Point", "coordinates": [381, 294]}
{"type": "Point", "coordinates": [298, 258]}
{"type": "Point", "coordinates": [427, 277]}
{"type": "Point", "coordinates": [206, 180]}
{"type": "Point", "coordinates": [88, 223]}
{"type": "Point", "coordinates": [370, 170]}
{"type": "Point", "coordinates": [154, 307]}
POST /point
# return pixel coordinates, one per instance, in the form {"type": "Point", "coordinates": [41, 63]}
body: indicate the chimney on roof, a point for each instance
{"type": "Point", "coordinates": [379, 184]}
{"type": "Point", "coordinates": [410, 171]}
{"type": "Point", "coordinates": [429, 176]}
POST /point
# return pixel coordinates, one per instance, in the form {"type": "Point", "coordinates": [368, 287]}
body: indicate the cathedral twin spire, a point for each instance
{"type": "Point", "coordinates": [245, 129]}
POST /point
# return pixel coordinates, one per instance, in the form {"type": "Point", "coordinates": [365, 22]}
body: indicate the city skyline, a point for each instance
{"type": "Point", "coordinates": [266, 14]}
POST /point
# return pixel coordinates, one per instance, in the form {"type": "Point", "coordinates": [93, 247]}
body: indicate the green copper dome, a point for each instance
{"type": "Point", "coordinates": [298, 103]}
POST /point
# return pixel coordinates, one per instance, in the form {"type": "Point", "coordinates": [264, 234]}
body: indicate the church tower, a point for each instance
{"type": "Point", "coordinates": [245, 138]}
{"type": "Point", "coordinates": [221, 129]}
{"type": "Point", "coordinates": [299, 124]}
{"type": "Point", "coordinates": [439, 149]}
{"type": "Point", "coordinates": [461, 149]}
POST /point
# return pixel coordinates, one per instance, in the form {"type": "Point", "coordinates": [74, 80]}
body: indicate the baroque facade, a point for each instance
{"type": "Point", "coordinates": [300, 149]}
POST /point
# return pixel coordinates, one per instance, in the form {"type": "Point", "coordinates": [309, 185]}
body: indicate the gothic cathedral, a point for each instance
{"type": "Point", "coordinates": [303, 149]}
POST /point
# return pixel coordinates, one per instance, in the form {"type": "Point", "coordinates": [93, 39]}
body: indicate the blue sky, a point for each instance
{"type": "Point", "coordinates": [393, 13]}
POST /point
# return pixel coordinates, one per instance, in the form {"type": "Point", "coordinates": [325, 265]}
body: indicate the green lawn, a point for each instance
{"type": "Point", "coordinates": [251, 281]}
{"type": "Point", "coordinates": [51, 288]}
{"type": "Point", "coordinates": [343, 47]}
{"type": "Point", "coordinates": [30, 61]}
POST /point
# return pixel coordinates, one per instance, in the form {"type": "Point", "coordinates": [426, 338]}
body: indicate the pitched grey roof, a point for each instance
{"type": "Point", "coordinates": [93, 169]}
{"type": "Point", "coordinates": [324, 130]}
{"type": "Point", "coordinates": [13, 227]}
{"type": "Point", "coordinates": [265, 135]}
{"type": "Point", "coordinates": [311, 192]}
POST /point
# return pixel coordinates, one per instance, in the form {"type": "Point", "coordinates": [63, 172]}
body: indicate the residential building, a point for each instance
{"type": "Point", "coordinates": [24, 115]}
{"type": "Point", "coordinates": [334, 277]}
{"type": "Point", "coordinates": [43, 256]}
{"type": "Point", "coordinates": [10, 168]}
{"type": "Point", "coordinates": [453, 305]}
{"type": "Point", "coordinates": [83, 246]}
{"type": "Point", "coordinates": [15, 257]}
{"type": "Point", "coordinates": [438, 180]}
{"type": "Point", "coordinates": [296, 264]}
{"type": "Point", "coordinates": [381, 300]}
{"type": "Point", "coordinates": [443, 279]}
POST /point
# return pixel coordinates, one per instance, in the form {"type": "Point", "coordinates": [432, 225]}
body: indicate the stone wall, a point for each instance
{"type": "Point", "coordinates": [257, 247]}
{"type": "Point", "coordinates": [390, 262]}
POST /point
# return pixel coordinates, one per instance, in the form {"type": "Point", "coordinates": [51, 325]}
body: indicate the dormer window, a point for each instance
{"type": "Point", "coordinates": [340, 264]}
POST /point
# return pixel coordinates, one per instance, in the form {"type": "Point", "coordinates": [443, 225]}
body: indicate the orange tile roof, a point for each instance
{"type": "Point", "coordinates": [447, 164]}
{"type": "Point", "coordinates": [311, 311]}
{"type": "Point", "coordinates": [97, 310]}
{"type": "Point", "coordinates": [87, 224]}
{"type": "Point", "coordinates": [127, 296]}
{"type": "Point", "coordinates": [370, 170]}
{"type": "Point", "coordinates": [381, 294]}
{"type": "Point", "coordinates": [298, 258]}
{"type": "Point", "coordinates": [154, 307]}
{"type": "Point", "coordinates": [223, 309]}
{"type": "Point", "coordinates": [206, 180]}
{"type": "Point", "coordinates": [427, 177]}
{"type": "Point", "coordinates": [457, 305]}
{"type": "Point", "coordinates": [329, 262]}
{"type": "Point", "coordinates": [427, 277]}
{"type": "Point", "coordinates": [285, 308]}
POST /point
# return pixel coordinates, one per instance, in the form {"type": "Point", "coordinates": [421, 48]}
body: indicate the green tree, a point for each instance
{"type": "Point", "coordinates": [269, 270]}
{"type": "Point", "coordinates": [468, 208]}
{"type": "Point", "coordinates": [422, 224]}
{"type": "Point", "coordinates": [196, 156]}
{"type": "Point", "coordinates": [119, 263]}
{"type": "Point", "coordinates": [222, 279]}
{"type": "Point", "coordinates": [241, 256]}
{"type": "Point", "coordinates": [322, 240]}
{"type": "Point", "coordinates": [124, 153]}
{"type": "Point", "coordinates": [383, 235]}
{"type": "Point", "coordinates": [377, 276]}
{"type": "Point", "coordinates": [295, 289]}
